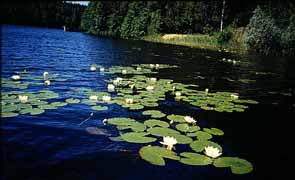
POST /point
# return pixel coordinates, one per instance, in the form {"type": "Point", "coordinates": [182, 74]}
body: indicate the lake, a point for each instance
{"type": "Point", "coordinates": [55, 145]}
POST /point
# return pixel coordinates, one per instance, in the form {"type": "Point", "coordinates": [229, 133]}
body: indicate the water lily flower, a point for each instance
{"type": "Point", "coordinates": [178, 93]}
{"type": "Point", "coordinates": [190, 120]}
{"type": "Point", "coordinates": [169, 142]}
{"type": "Point", "coordinates": [118, 80]}
{"type": "Point", "coordinates": [234, 61]}
{"type": "Point", "coordinates": [212, 152]}
{"type": "Point", "coordinates": [104, 121]}
{"type": "Point", "coordinates": [92, 68]}
{"type": "Point", "coordinates": [138, 68]}
{"type": "Point", "coordinates": [234, 96]}
{"type": "Point", "coordinates": [150, 88]}
{"type": "Point", "coordinates": [124, 71]}
{"type": "Point", "coordinates": [206, 90]}
{"type": "Point", "coordinates": [23, 98]}
{"type": "Point", "coordinates": [152, 65]}
{"type": "Point", "coordinates": [101, 69]}
{"type": "Point", "coordinates": [106, 98]}
{"type": "Point", "coordinates": [93, 97]}
{"type": "Point", "coordinates": [173, 88]}
{"type": "Point", "coordinates": [45, 75]}
{"type": "Point", "coordinates": [129, 101]}
{"type": "Point", "coordinates": [157, 65]}
{"type": "Point", "coordinates": [111, 87]}
{"type": "Point", "coordinates": [153, 79]}
{"type": "Point", "coordinates": [223, 59]}
{"type": "Point", "coordinates": [15, 77]}
{"type": "Point", "coordinates": [47, 82]}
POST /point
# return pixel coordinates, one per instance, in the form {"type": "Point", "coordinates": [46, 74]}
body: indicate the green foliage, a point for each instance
{"type": "Point", "coordinates": [155, 155]}
{"type": "Point", "coordinates": [224, 36]}
{"type": "Point", "coordinates": [195, 159]}
{"type": "Point", "coordinates": [237, 165]}
{"type": "Point", "coordinates": [288, 37]}
{"type": "Point", "coordinates": [137, 137]}
{"type": "Point", "coordinates": [263, 36]}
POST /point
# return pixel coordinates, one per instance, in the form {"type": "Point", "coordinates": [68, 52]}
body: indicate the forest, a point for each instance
{"type": "Point", "coordinates": [54, 14]}
{"type": "Point", "coordinates": [268, 25]}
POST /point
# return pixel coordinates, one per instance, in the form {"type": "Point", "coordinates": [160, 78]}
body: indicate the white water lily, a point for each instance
{"type": "Point", "coordinates": [152, 65]}
{"type": "Point", "coordinates": [150, 88]}
{"type": "Point", "coordinates": [106, 98]}
{"type": "Point", "coordinates": [124, 71]}
{"type": "Point", "coordinates": [206, 90]}
{"type": "Point", "coordinates": [104, 121]}
{"type": "Point", "coordinates": [47, 82]}
{"type": "Point", "coordinates": [153, 79]}
{"type": "Point", "coordinates": [190, 120]}
{"type": "Point", "coordinates": [212, 152]}
{"type": "Point", "coordinates": [129, 101]}
{"type": "Point", "coordinates": [178, 93]}
{"type": "Point", "coordinates": [23, 98]}
{"type": "Point", "coordinates": [111, 87]}
{"type": "Point", "coordinates": [101, 69]}
{"type": "Point", "coordinates": [92, 68]}
{"type": "Point", "coordinates": [93, 97]}
{"type": "Point", "coordinates": [157, 65]}
{"type": "Point", "coordinates": [15, 77]}
{"type": "Point", "coordinates": [234, 96]}
{"type": "Point", "coordinates": [118, 80]}
{"type": "Point", "coordinates": [138, 68]}
{"type": "Point", "coordinates": [169, 142]}
{"type": "Point", "coordinates": [45, 75]}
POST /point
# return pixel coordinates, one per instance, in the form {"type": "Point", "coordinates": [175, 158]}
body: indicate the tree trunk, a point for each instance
{"type": "Point", "coordinates": [222, 15]}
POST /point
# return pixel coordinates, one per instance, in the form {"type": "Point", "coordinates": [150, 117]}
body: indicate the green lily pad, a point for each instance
{"type": "Point", "coordinates": [237, 165]}
{"type": "Point", "coordinates": [137, 137]}
{"type": "Point", "coordinates": [176, 118]}
{"type": "Point", "coordinates": [155, 155]}
{"type": "Point", "coordinates": [154, 113]}
{"type": "Point", "coordinates": [214, 131]}
{"type": "Point", "coordinates": [72, 101]}
{"type": "Point", "coordinates": [99, 108]}
{"type": "Point", "coordinates": [120, 121]}
{"type": "Point", "coordinates": [8, 107]}
{"type": "Point", "coordinates": [200, 145]}
{"type": "Point", "coordinates": [203, 135]}
{"type": "Point", "coordinates": [160, 131]}
{"type": "Point", "coordinates": [195, 159]}
{"type": "Point", "coordinates": [134, 126]}
{"type": "Point", "coordinates": [182, 139]}
{"type": "Point", "coordinates": [8, 114]}
{"type": "Point", "coordinates": [135, 106]}
{"type": "Point", "coordinates": [59, 104]}
{"type": "Point", "coordinates": [36, 111]}
{"type": "Point", "coordinates": [154, 122]}
{"type": "Point", "coordinates": [184, 127]}
{"type": "Point", "coordinates": [116, 139]}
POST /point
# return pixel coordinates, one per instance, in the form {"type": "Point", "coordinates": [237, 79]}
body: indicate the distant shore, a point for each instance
{"type": "Point", "coordinates": [201, 41]}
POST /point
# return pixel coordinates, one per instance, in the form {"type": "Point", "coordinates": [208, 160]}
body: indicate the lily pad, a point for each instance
{"type": "Point", "coordinates": [200, 145]}
{"type": "Point", "coordinates": [214, 131]}
{"type": "Point", "coordinates": [203, 135]}
{"type": "Point", "coordinates": [36, 111]}
{"type": "Point", "coordinates": [184, 127]}
{"type": "Point", "coordinates": [99, 108]}
{"type": "Point", "coordinates": [155, 155]}
{"type": "Point", "coordinates": [134, 126]}
{"type": "Point", "coordinates": [120, 121]}
{"type": "Point", "coordinates": [154, 113]}
{"type": "Point", "coordinates": [176, 118]}
{"type": "Point", "coordinates": [137, 137]}
{"type": "Point", "coordinates": [8, 114]}
{"type": "Point", "coordinates": [237, 165]}
{"type": "Point", "coordinates": [195, 159]}
{"type": "Point", "coordinates": [160, 131]}
{"type": "Point", "coordinates": [154, 122]}
{"type": "Point", "coordinates": [72, 101]}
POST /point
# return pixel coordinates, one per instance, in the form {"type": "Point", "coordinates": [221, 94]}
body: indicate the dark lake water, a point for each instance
{"type": "Point", "coordinates": [52, 145]}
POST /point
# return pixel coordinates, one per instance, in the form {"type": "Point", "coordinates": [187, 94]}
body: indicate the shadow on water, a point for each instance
{"type": "Point", "coordinates": [54, 146]}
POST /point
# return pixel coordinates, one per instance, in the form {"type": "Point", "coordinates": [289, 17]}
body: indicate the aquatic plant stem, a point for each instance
{"type": "Point", "coordinates": [86, 119]}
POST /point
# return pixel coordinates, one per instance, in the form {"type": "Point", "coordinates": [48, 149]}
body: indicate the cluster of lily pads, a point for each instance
{"type": "Point", "coordinates": [137, 89]}
{"type": "Point", "coordinates": [134, 90]}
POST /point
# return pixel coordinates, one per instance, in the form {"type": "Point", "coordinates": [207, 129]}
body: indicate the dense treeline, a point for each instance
{"type": "Point", "coordinates": [47, 14]}
{"type": "Point", "coordinates": [134, 19]}
{"type": "Point", "coordinates": [129, 19]}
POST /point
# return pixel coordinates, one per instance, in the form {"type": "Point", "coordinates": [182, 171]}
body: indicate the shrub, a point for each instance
{"type": "Point", "coordinates": [224, 36]}
{"type": "Point", "coordinates": [262, 35]}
